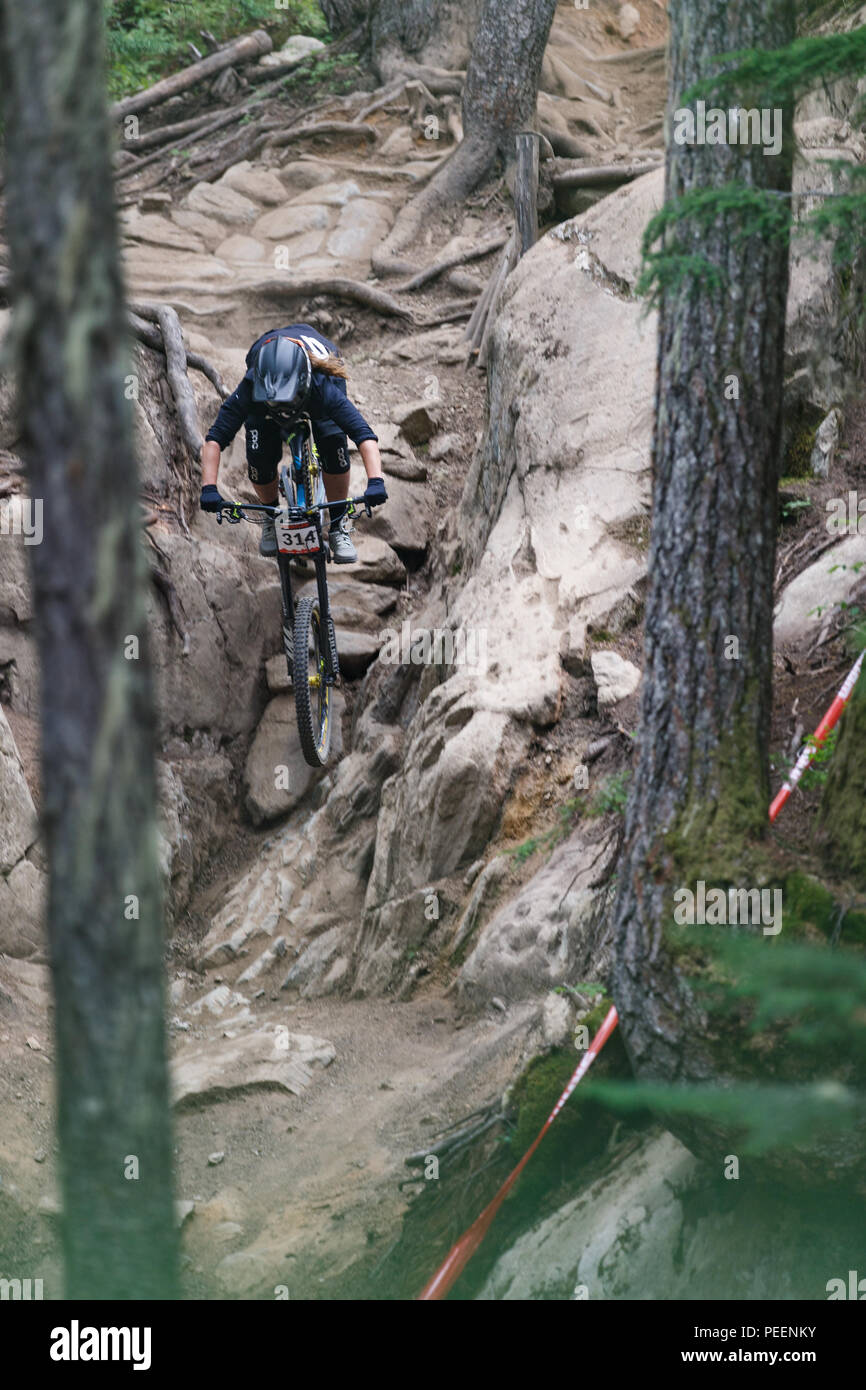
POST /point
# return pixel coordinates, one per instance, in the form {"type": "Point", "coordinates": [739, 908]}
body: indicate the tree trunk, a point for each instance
{"type": "Point", "coordinates": [843, 805]}
{"type": "Point", "coordinates": [700, 795]}
{"type": "Point", "coordinates": [343, 15]}
{"type": "Point", "coordinates": [503, 75]}
{"type": "Point", "coordinates": [499, 100]}
{"type": "Point", "coordinates": [89, 579]}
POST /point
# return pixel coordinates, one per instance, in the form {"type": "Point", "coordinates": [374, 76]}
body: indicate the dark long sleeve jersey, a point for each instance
{"type": "Point", "coordinates": [329, 406]}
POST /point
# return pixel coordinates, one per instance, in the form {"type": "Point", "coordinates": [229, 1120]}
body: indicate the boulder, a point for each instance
{"type": "Point", "coordinates": [419, 420]}
{"type": "Point", "coordinates": [300, 174]}
{"type": "Point", "coordinates": [259, 185]}
{"type": "Point", "coordinates": [363, 224]}
{"type": "Point", "coordinates": [223, 203]}
{"type": "Point", "coordinates": [274, 760]}
{"type": "Point", "coordinates": [811, 599]}
{"type": "Point", "coordinates": [334, 195]}
{"type": "Point", "coordinates": [271, 1057]}
{"type": "Point", "coordinates": [377, 562]}
{"type": "Point", "coordinates": [615, 678]}
{"type": "Point", "coordinates": [285, 222]}
{"type": "Point", "coordinates": [244, 249]}
{"type": "Point", "coordinates": [18, 825]}
{"type": "Point", "coordinates": [543, 936]}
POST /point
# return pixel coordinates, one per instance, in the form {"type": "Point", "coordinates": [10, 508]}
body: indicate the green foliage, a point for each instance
{"type": "Point", "coordinates": [753, 212]}
{"type": "Point", "coordinates": [147, 39]}
{"type": "Point", "coordinates": [776, 77]}
{"type": "Point", "coordinates": [817, 771]}
{"type": "Point", "coordinates": [761, 77]}
{"type": "Point", "coordinates": [613, 796]}
{"type": "Point", "coordinates": [816, 997]}
{"type": "Point", "coordinates": [792, 505]}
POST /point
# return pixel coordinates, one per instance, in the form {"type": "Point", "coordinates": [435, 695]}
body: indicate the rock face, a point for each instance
{"type": "Point", "coordinates": [22, 882]}
{"type": "Point", "coordinates": [543, 937]}
{"type": "Point", "coordinates": [655, 1226]}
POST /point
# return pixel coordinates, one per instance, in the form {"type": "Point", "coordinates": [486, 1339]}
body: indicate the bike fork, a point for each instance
{"type": "Point", "coordinates": [288, 604]}
{"type": "Point", "coordinates": [332, 660]}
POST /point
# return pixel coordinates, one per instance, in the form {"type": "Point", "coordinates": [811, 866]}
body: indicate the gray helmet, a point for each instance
{"type": "Point", "coordinates": [282, 376]}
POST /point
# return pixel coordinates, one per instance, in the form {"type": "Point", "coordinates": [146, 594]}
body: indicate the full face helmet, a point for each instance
{"type": "Point", "coordinates": [283, 376]}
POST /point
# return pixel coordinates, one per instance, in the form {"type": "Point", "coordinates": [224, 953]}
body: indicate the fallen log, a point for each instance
{"type": "Point", "coordinates": [243, 50]}
{"type": "Point", "coordinates": [166, 133]}
{"type": "Point", "coordinates": [602, 176]}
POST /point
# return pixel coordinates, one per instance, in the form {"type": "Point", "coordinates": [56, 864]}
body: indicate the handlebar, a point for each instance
{"type": "Point", "coordinates": [235, 512]}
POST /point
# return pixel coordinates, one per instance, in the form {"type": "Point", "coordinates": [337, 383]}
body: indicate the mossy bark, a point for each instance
{"type": "Point", "coordinates": [89, 579]}
{"type": "Point", "coordinates": [698, 806]}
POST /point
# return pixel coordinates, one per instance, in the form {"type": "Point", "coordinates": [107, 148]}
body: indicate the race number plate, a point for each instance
{"type": "Point", "coordinates": [297, 540]}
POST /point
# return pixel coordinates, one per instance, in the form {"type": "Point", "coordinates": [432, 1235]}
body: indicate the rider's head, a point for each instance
{"type": "Point", "coordinates": [282, 378]}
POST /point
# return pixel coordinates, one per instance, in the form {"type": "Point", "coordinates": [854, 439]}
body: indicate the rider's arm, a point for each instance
{"type": "Point", "coordinates": [210, 463]}
{"type": "Point", "coordinates": [372, 459]}
{"type": "Point", "coordinates": [233, 411]}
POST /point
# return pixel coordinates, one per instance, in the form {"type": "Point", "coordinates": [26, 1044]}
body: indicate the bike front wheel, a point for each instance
{"type": "Point", "coordinates": [312, 692]}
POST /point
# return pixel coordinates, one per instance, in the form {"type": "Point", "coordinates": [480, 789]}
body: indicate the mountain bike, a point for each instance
{"type": "Point", "coordinates": [309, 638]}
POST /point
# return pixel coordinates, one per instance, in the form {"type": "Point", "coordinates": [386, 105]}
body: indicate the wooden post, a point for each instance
{"type": "Point", "coordinates": [526, 190]}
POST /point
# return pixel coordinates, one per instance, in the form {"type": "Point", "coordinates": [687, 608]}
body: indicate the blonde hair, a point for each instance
{"type": "Point", "coordinates": [330, 365]}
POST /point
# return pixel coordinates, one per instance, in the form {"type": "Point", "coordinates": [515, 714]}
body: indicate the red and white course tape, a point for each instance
{"type": "Point", "coordinates": [460, 1254]}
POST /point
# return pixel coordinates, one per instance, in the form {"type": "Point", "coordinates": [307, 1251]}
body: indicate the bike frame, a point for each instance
{"type": "Point", "coordinates": [299, 511]}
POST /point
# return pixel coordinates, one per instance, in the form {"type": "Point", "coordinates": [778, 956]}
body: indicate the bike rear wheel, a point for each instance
{"type": "Point", "coordinates": [312, 692]}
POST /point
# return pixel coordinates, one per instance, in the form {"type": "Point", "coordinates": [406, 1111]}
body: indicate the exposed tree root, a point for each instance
{"type": "Point", "coordinates": [476, 253]}
{"type": "Point", "coordinates": [151, 336]}
{"type": "Point", "coordinates": [286, 137]}
{"type": "Point", "coordinates": [176, 363]}
{"type": "Point", "coordinates": [355, 290]}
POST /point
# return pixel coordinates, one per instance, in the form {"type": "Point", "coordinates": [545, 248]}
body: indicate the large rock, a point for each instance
{"type": "Point", "coordinates": [615, 678]}
{"type": "Point", "coordinates": [276, 775]}
{"type": "Point", "coordinates": [18, 826]}
{"type": "Point", "coordinates": [377, 562]}
{"type": "Point", "coordinates": [543, 937]}
{"type": "Point", "coordinates": [811, 599]}
{"type": "Point", "coordinates": [22, 883]}
{"type": "Point", "coordinates": [224, 204]}
{"type": "Point", "coordinates": [259, 185]}
{"type": "Point", "coordinates": [405, 521]}
{"type": "Point", "coordinates": [363, 224]}
{"type": "Point", "coordinates": [214, 684]}
{"type": "Point", "coordinates": [824, 339]}
{"type": "Point", "coordinates": [271, 1057]}
{"type": "Point", "coordinates": [286, 222]}
{"type": "Point", "coordinates": [654, 1227]}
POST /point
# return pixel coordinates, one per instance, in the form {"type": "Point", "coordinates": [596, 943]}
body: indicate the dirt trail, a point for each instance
{"type": "Point", "coordinates": [309, 1184]}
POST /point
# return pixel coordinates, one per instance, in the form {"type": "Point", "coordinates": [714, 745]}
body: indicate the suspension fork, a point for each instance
{"type": "Point", "coordinates": [332, 660]}
{"type": "Point", "coordinates": [286, 595]}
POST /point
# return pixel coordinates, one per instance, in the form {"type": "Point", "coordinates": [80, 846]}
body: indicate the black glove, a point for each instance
{"type": "Point", "coordinates": [211, 500]}
{"type": "Point", "coordinates": [375, 494]}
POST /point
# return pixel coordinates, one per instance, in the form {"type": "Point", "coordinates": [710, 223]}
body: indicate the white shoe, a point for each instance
{"type": "Point", "coordinates": [268, 539]}
{"type": "Point", "coordinates": [341, 543]}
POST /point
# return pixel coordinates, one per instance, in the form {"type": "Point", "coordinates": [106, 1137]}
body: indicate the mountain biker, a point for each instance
{"type": "Point", "coordinates": [291, 372]}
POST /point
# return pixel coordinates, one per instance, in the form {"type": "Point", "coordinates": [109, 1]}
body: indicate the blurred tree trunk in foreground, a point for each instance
{"type": "Point", "coordinates": [89, 576]}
